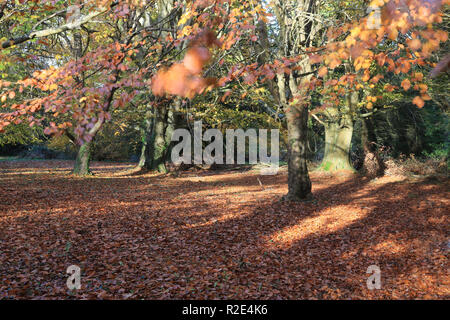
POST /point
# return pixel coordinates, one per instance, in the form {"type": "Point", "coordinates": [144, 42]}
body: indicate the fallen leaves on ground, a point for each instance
{"type": "Point", "coordinates": [217, 235]}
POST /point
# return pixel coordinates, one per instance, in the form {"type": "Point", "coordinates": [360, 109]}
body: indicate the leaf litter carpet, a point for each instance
{"type": "Point", "coordinates": [218, 235]}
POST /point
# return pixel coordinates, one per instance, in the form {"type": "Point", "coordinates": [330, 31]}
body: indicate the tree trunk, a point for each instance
{"type": "Point", "coordinates": [373, 165]}
{"type": "Point", "coordinates": [83, 159]}
{"type": "Point", "coordinates": [299, 183]}
{"type": "Point", "coordinates": [295, 37]}
{"type": "Point", "coordinates": [338, 135]}
{"type": "Point", "coordinates": [157, 137]}
{"type": "Point", "coordinates": [338, 140]}
{"type": "Point", "coordinates": [146, 132]}
{"type": "Point", "coordinates": [158, 150]}
{"type": "Point", "coordinates": [154, 143]}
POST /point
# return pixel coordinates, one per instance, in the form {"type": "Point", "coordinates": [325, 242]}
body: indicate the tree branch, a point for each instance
{"type": "Point", "coordinates": [48, 32]}
{"type": "Point", "coordinates": [317, 118]}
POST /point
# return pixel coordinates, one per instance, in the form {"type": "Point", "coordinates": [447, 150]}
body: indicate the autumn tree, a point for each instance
{"type": "Point", "coordinates": [289, 71]}
{"type": "Point", "coordinates": [208, 33]}
{"type": "Point", "coordinates": [83, 91]}
{"type": "Point", "coordinates": [162, 118]}
{"type": "Point", "coordinates": [155, 54]}
{"type": "Point", "coordinates": [357, 62]}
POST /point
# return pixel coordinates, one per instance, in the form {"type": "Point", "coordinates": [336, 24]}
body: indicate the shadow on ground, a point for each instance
{"type": "Point", "coordinates": [225, 235]}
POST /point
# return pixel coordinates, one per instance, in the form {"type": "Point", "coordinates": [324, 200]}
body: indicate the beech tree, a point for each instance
{"type": "Point", "coordinates": [83, 91]}
{"type": "Point", "coordinates": [357, 59]}
{"type": "Point", "coordinates": [156, 53]}
{"type": "Point", "coordinates": [299, 29]}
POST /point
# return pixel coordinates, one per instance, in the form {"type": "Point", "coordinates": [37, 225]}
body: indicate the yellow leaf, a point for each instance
{"type": "Point", "coordinates": [355, 31]}
{"type": "Point", "coordinates": [183, 20]}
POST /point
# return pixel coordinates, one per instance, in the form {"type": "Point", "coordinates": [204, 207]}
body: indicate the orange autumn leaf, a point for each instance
{"type": "Point", "coordinates": [426, 97]}
{"type": "Point", "coordinates": [418, 76]}
{"type": "Point", "coordinates": [196, 58]}
{"type": "Point", "coordinates": [315, 58]}
{"type": "Point", "coordinates": [406, 84]}
{"type": "Point", "coordinates": [381, 59]}
{"type": "Point", "coordinates": [423, 88]}
{"type": "Point", "coordinates": [389, 87]}
{"type": "Point", "coordinates": [418, 101]}
{"type": "Point", "coordinates": [323, 72]}
{"type": "Point", "coordinates": [173, 81]}
{"type": "Point", "coordinates": [414, 44]}
{"type": "Point", "coordinates": [366, 76]}
{"type": "Point", "coordinates": [404, 67]}
{"type": "Point", "coordinates": [183, 78]}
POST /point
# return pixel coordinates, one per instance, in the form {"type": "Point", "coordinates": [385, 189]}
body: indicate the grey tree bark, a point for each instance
{"type": "Point", "coordinates": [339, 125]}
{"type": "Point", "coordinates": [299, 29]}
{"type": "Point", "coordinates": [373, 165]}
{"type": "Point", "coordinates": [83, 159]}
{"type": "Point", "coordinates": [157, 136]}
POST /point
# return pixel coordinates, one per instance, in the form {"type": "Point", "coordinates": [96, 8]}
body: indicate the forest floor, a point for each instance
{"type": "Point", "coordinates": [218, 235]}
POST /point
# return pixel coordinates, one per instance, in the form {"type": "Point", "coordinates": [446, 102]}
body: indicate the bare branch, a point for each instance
{"type": "Point", "coordinates": [52, 31]}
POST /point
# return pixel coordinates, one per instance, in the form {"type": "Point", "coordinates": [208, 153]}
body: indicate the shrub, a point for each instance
{"type": "Point", "coordinates": [415, 166]}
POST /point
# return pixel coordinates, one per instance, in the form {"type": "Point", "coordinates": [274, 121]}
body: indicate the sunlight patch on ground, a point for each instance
{"type": "Point", "coordinates": [328, 221]}
{"type": "Point", "coordinates": [390, 247]}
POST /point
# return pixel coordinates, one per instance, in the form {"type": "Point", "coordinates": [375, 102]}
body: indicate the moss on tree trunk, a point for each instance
{"type": "Point", "coordinates": [157, 136]}
{"type": "Point", "coordinates": [158, 143]}
{"type": "Point", "coordinates": [153, 152]}
{"type": "Point", "coordinates": [339, 126]}
{"type": "Point", "coordinates": [338, 140]}
{"type": "Point", "coordinates": [82, 161]}
{"type": "Point", "coordinates": [146, 132]}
